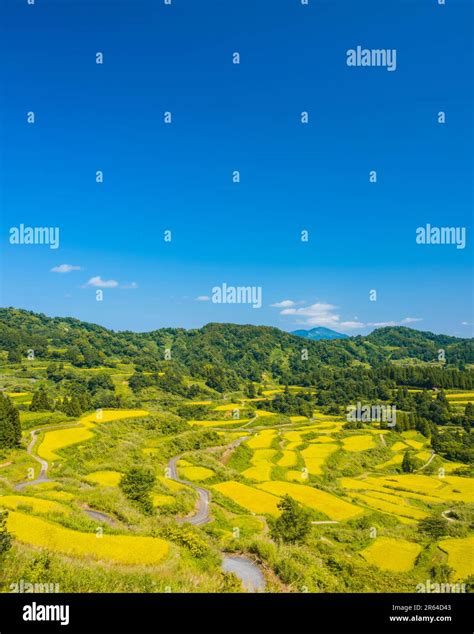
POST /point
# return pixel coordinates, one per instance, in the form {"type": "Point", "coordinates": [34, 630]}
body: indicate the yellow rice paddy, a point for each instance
{"type": "Point", "coordinates": [395, 555]}
{"type": "Point", "coordinates": [330, 505]}
{"type": "Point", "coordinates": [249, 498]}
{"type": "Point", "coordinates": [59, 439]}
{"type": "Point", "coordinates": [460, 556]}
{"type": "Point", "coordinates": [124, 549]}
{"type": "Point", "coordinates": [358, 443]}
{"type": "Point", "coordinates": [105, 478]}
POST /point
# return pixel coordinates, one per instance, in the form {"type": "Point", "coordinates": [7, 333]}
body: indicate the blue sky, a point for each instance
{"type": "Point", "coordinates": [244, 117]}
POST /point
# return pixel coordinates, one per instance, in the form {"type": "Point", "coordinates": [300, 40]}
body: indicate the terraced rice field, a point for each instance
{"type": "Point", "coordinates": [453, 466]}
{"type": "Point", "coordinates": [60, 495]}
{"type": "Point", "coordinates": [288, 459]}
{"type": "Point", "coordinates": [172, 485]}
{"type": "Point", "coordinates": [335, 508]}
{"type": "Point", "coordinates": [219, 423]}
{"type": "Point", "coordinates": [415, 444]}
{"type": "Point", "coordinates": [424, 455]}
{"type": "Point", "coordinates": [358, 443]}
{"type": "Point", "coordinates": [460, 396]}
{"type": "Point", "coordinates": [263, 456]}
{"type": "Point", "coordinates": [428, 488]}
{"type": "Point", "coordinates": [396, 461]}
{"type": "Point", "coordinates": [250, 498]}
{"type": "Point", "coordinates": [414, 439]}
{"type": "Point", "coordinates": [262, 440]}
{"type": "Point", "coordinates": [399, 446]}
{"type": "Point", "coordinates": [59, 439]}
{"type": "Point", "coordinates": [321, 439]}
{"type": "Point", "coordinates": [448, 488]}
{"type": "Point", "coordinates": [227, 407]}
{"type": "Point", "coordinates": [316, 455]}
{"type": "Point", "coordinates": [259, 473]}
{"type": "Point", "coordinates": [160, 499]}
{"type": "Point", "coordinates": [460, 556]}
{"type": "Point", "coordinates": [292, 436]}
{"type": "Point", "coordinates": [398, 508]}
{"type": "Point", "coordinates": [294, 475]}
{"type": "Point", "coordinates": [374, 484]}
{"type": "Point", "coordinates": [105, 478]}
{"type": "Point", "coordinates": [109, 415]}
{"type": "Point", "coordinates": [262, 461]}
{"type": "Point", "coordinates": [124, 549]}
{"type": "Point", "coordinates": [195, 474]}
{"type": "Point", "coordinates": [38, 505]}
{"type": "Point", "coordinates": [395, 555]}
{"type": "Point", "coordinates": [56, 440]}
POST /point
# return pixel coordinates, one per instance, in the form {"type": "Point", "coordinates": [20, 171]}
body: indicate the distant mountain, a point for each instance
{"type": "Point", "coordinates": [319, 333]}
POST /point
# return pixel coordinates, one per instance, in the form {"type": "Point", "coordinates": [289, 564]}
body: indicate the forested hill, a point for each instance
{"type": "Point", "coordinates": [245, 351]}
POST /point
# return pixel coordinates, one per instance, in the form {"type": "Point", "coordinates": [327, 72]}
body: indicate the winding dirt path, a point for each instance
{"type": "Point", "coordinates": [201, 515]}
{"type": "Point", "coordinates": [428, 462]}
{"type": "Point", "coordinates": [34, 434]}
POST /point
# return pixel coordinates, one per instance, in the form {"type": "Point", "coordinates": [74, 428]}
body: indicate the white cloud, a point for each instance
{"type": "Point", "coordinates": [383, 324]}
{"type": "Point", "coordinates": [350, 325]}
{"type": "Point", "coordinates": [286, 303]}
{"type": "Point", "coordinates": [97, 281]}
{"type": "Point", "coordinates": [65, 268]}
{"type": "Point", "coordinates": [131, 285]}
{"type": "Point", "coordinates": [405, 320]}
{"type": "Point", "coordinates": [324, 314]}
{"type": "Point", "coordinates": [203, 298]}
{"type": "Point", "coordinates": [319, 314]}
{"type": "Point", "coordinates": [466, 323]}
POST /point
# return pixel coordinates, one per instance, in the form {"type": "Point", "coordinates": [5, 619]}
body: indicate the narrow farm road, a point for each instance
{"type": "Point", "coordinates": [246, 570]}
{"type": "Point", "coordinates": [201, 516]}
{"type": "Point", "coordinates": [428, 462]}
{"type": "Point", "coordinates": [44, 464]}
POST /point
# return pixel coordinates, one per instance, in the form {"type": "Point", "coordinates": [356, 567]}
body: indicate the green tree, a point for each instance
{"type": "Point", "coordinates": [468, 420]}
{"type": "Point", "coordinates": [294, 523]}
{"type": "Point", "coordinates": [40, 401]}
{"type": "Point", "coordinates": [408, 464]}
{"type": "Point", "coordinates": [72, 407]}
{"type": "Point", "coordinates": [250, 390]}
{"type": "Point", "coordinates": [434, 526]}
{"type": "Point", "coordinates": [14, 356]}
{"type": "Point", "coordinates": [137, 484]}
{"type": "Point", "coordinates": [5, 537]}
{"type": "Point", "coordinates": [10, 428]}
